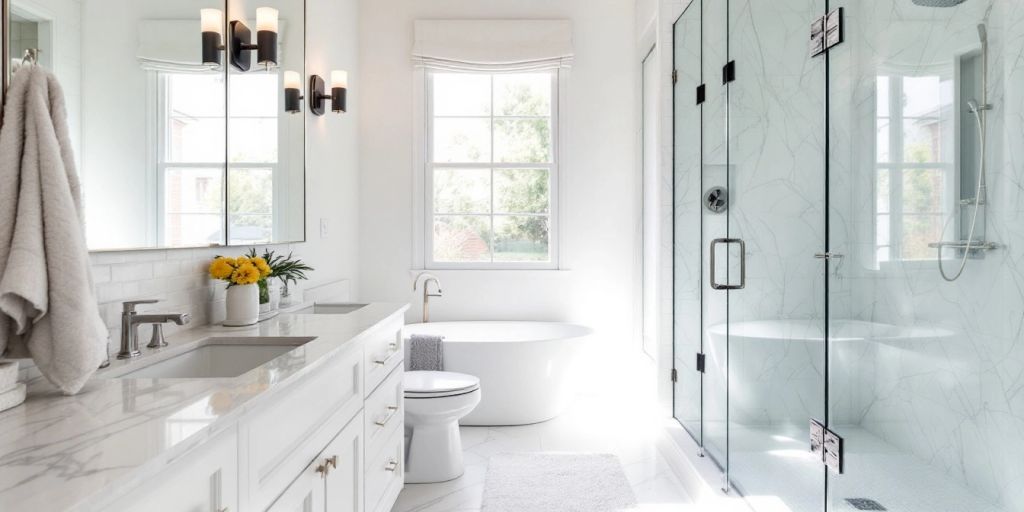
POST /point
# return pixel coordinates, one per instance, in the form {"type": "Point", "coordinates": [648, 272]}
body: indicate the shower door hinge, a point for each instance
{"type": "Point", "coordinates": [828, 446]}
{"type": "Point", "coordinates": [700, 362]}
{"type": "Point", "coordinates": [700, 94]}
{"type": "Point", "coordinates": [826, 32]}
{"type": "Point", "coordinates": [729, 72]}
{"type": "Point", "coordinates": [675, 76]}
{"type": "Point", "coordinates": [675, 375]}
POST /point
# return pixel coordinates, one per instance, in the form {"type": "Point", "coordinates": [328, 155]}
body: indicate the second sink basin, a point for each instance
{"type": "Point", "coordinates": [328, 308]}
{"type": "Point", "coordinates": [211, 358]}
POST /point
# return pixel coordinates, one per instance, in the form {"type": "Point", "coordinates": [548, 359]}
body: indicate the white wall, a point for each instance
{"type": "Point", "coordinates": [599, 175]}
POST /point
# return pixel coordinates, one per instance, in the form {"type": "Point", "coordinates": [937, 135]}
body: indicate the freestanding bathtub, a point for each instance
{"type": "Point", "coordinates": [525, 368]}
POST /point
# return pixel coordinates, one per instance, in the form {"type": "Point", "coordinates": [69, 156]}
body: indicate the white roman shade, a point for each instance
{"type": "Point", "coordinates": [171, 45]}
{"type": "Point", "coordinates": [493, 45]}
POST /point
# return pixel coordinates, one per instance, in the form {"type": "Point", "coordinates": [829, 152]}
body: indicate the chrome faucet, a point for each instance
{"type": "Point", "coordinates": [130, 321]}
{"type": "Point", "coordinates": [427, 278]}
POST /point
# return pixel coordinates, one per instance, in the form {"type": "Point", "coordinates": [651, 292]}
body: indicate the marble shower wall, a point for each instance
{"type": "Point", "coordinates": [952, 393]}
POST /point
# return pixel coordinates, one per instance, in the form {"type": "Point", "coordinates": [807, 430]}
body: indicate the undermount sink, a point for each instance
{"type": "Point", "coordinates": [209, 359]}
{"type": "Point", "coordinates": [330, 308]}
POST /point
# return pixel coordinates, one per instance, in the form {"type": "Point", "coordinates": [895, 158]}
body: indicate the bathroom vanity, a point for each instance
{"type": "Point", "coordinates": [301, 412]}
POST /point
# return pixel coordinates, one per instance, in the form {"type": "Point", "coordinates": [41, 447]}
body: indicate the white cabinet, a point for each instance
{"type": "Point", "coordinates": [344, 479]}
{"type": "Point", "coordinates": [305, 494]}
{"type": "Point", "coordinates": [333, 482]}
{"type": "Point", "coordinates": [204, 480]}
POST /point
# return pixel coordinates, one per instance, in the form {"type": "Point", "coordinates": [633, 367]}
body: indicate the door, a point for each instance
{"type": "Point", "coordinates": [344, 481]}
{"type": "Point", "coordinates": [776, 218]}
{"type": "Point", "coordinates": [686, 241]}
{"type": "Point", "coordinates": [306, 492]}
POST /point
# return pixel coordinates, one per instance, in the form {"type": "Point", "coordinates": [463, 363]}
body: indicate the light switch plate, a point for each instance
{"type": "Point", "coordinates": [323, 228]}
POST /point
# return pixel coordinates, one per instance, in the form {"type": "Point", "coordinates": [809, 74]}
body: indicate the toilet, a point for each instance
{"type": "Point", "coordinates": [434, 403]}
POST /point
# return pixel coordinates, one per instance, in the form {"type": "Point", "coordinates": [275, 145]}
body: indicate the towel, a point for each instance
{"type": "Point", "coordinates": [426, 353]}
{"type": "Point", "coordinates": [48, 308]}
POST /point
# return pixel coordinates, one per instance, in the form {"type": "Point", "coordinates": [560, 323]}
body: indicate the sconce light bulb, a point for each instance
{"type": "Point", "coordinates": [292, 80]}
{"type": "Point", "coordinates": [266, 19]}
{"type": "Point", "coordinates": [211, 20]}
{"type": "Point", "coordinates": [339, 79]}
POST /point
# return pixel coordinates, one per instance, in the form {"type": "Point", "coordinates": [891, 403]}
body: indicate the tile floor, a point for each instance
{"type": "Point", "coordinates": [608, 423]}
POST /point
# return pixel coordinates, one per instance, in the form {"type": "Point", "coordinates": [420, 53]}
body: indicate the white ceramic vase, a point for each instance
{"type": "Point", "coordinates": [243, 305]}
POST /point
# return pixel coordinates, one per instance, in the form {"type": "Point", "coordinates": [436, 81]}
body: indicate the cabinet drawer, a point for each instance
{"type": "Point", "coordinates": [385, 473]}
{"type": "Point", "coordinates": [281, 438]}
{"type": "Point", "coordinates": [384, 411]}
{"type": "Point", "coordinates": [384, 352]}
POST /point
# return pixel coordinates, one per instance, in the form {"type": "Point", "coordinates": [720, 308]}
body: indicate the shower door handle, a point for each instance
{"type": "Point", "coordinates": [743, 264]}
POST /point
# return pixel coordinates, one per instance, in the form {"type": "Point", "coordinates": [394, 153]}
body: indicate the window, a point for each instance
{"type": "Point", "coordinates": [191, 153]}
{"type": "Point", "coordinates": [190, 156]}
{"type": "Point", "coordinates": [914, 157]}
{"type": "Point", "coordinates": [491, 170]}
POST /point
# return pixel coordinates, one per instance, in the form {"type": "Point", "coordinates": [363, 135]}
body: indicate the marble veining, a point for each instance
{"type": "Point", "coordinates": [63, 453]}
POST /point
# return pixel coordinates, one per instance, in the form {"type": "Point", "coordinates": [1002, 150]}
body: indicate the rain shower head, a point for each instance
{"type": "Point", "coordinates": [938, 3]}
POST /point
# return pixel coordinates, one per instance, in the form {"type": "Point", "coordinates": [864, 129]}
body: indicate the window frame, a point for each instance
{"type": "Point", "coordinates": [425, 170]}
{"type": "Point", "coordinates": [896, 166]}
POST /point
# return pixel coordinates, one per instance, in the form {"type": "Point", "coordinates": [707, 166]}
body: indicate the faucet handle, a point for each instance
{"type": "Point", "coordinates": [129, 306]}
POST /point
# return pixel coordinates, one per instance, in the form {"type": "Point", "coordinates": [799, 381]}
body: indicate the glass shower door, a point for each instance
{"type": "Point", "coordinates": [775, 331]}
{"type": "Point", "coordinates": [925, 370]}
{"type": "Point", "coordinates": [687, 244]}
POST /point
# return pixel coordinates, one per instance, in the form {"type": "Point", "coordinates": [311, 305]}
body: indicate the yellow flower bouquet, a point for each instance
{"type": "Point", "coordinates": [244, 276]}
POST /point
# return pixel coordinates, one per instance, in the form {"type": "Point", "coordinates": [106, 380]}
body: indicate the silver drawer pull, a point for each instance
{"type": "Point", "coordinates": [392, 465]}
{"type": "Point", "coordinates": [392, 351]}
{"type": "Point", "coordinates": [392, 410]}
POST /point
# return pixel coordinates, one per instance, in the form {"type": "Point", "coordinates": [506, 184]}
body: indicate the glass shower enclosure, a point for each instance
{"type": "Point", "coordinates": [848, 310]}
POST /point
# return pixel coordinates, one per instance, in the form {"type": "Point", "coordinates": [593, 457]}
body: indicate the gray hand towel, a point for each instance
{"type": "Point", "coordinates": [48, 308]}
{"type": "Point", "coordinates": [426, 353]}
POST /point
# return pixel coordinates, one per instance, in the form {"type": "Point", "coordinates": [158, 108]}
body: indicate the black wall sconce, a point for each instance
{"type": "Point", "coordinates": [212, 22]}
{"type": "Point", "coordinates": [266, 41]}
{"type": "Point", "coordinates": [317, 93]}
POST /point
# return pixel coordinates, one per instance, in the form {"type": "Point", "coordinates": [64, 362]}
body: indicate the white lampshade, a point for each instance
{"type": "Point", "coordinates": [339, 79]}
{"type": "Point", "coordinates": [292, 80]}
{"type": "Point", "coordinates": [211, 20]}
{"type": "Point", "coordinates": [266, 19]}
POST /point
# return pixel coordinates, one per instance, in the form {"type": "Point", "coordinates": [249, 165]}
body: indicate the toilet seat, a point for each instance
{"type": "Point", "coordinates": [421, 384]}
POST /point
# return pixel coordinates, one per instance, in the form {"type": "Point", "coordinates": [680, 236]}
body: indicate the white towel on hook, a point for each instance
{"type": "Point", "coordinates": [48, 308]}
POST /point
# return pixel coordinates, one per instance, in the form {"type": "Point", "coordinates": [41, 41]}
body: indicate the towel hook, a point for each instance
{"type": "Point", "coordinates": [31, 56]}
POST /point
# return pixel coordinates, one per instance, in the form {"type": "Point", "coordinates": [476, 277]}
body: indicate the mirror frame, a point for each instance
{"type": "Point", "coordinates": [5, 12]}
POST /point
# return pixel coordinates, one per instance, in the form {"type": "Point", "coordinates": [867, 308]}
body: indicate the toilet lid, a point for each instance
{"type": "Point", "coordinates": [438, 384]}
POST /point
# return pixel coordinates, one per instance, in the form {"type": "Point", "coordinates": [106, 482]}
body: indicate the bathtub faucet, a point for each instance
{"type": "Point", "coordinates": [427, 278]}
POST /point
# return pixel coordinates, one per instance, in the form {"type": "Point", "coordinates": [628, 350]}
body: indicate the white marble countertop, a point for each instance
{"type": "Point", "coordinates": [61, 453]}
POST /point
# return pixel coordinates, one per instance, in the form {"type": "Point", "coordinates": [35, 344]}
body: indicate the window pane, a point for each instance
{"type": "Point", "coordinates": [193, 212]}
{"type": "Point", "coordinates": [521, 190]}
{"type": "Point", "coordinates": [195, 95]}
{"type": "Point", "coordinates": [462, 140]}
{"type": "Point", "coordinates": [882, 191]}
{"type": "Point", "coordinates": [462, 190]}
{"type": "Point", "coordinates": [521, 238]}
{"type": "Point", "coordinates": [253, 140]}
{"type": "Point", "coordinates": [918, 232]}
{"type": "Point", "coordinates": [462, 238]}
{"type": "Point", "coordinates": [522, 94]}
{"type": "Point", "coordinates": [522, 140]}
{"type": "Point", "coordinates": [921, 140]}
{"type": "Point", "coordinates": [462, 94]}
{"type": "Point", "coordinates": [250, 205]}
{"type": "Point", "coordinates": [922, 190]}
{"type": "Point", "coordinates": [195, 140]}
{"type": "Point", "coordinates": [255, 94]}
{"type": "Point", "coordinates": [882, 140]}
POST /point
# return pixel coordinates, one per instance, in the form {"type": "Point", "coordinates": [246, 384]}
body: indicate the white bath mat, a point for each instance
{"type": "Point", "coordinates": [556, 482]}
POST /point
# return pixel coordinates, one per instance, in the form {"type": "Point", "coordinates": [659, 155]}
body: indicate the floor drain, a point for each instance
{"type": "Point", "coordinates": [865, 504]}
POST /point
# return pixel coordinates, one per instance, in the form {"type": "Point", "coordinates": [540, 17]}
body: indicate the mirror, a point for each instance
{"type": "Point", "coordinates": [176, 144]}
